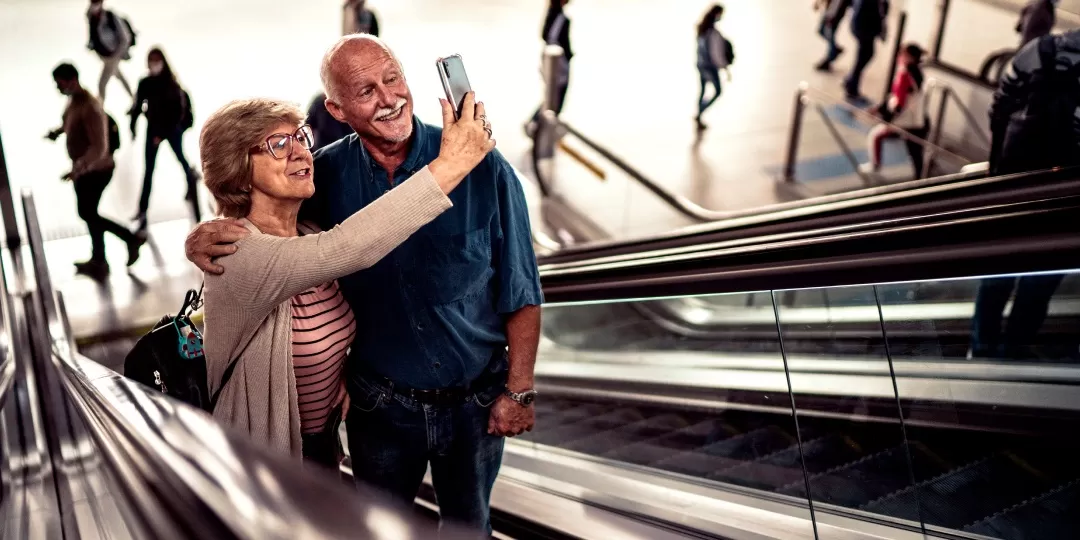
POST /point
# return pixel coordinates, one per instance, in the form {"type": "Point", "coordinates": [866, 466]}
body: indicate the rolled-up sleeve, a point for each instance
{"type": "Point", "coordinates": [518, 279]}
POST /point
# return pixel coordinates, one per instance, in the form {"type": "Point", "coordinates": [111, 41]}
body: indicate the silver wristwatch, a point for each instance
{"type": "Point", "coordinates": [524, 399]}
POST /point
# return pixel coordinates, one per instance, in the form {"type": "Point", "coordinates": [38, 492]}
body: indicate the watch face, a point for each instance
{"type": "Point", "coordinates": [528, 398]}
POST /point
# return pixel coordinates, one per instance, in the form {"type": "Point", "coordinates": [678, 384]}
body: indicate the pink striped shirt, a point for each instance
{"type": "Point", "coordinates": [323, 330]}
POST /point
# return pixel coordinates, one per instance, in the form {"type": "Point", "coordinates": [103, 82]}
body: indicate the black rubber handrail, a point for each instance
{"type": "Point", "coordinates": [930, 200]}
{"type": "Point", "coordinates": [1034, 236]}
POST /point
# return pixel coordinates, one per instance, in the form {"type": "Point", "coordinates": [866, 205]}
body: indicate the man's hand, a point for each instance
{"type": "Point", "coordinates": [54, 134]}
{"type": "Point", "coordinates": [213, 239]}
{"type": "Point", "coordinates": [508, 418]}
{"type": "Point", "coordinates": [68, 176]}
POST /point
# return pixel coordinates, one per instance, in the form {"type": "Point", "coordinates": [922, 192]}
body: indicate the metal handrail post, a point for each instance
{"type": "Point", "coordinates": [795, 133]}
{"type": "Point", "coordinates": [547, 123]}
{"type": "Point", "coordinates": [7, 204]}
{"type": "Point", "coordinates": [897, 44]}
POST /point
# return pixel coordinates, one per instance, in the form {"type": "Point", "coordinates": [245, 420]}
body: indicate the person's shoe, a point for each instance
{"type": "Point", "coordinates": [134, 247]}
{"type": "Point", "coordinates": [870, 171]}
{"type": "Point", "coordinates": [701, 126]}
{"type": "Point", "coordinates": [824, 66]}
{"type": "Point", "coordinates": [94, 268]}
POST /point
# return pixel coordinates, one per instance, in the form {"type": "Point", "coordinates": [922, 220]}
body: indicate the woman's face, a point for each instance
{"type": "Point", "coordinates": [155, 64]}
{"type": "Point", "coordinates": [286, 177]}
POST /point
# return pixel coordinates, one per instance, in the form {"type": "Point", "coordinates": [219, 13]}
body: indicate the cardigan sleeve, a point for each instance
{"type": "Point", "coordinates": [267, 270]}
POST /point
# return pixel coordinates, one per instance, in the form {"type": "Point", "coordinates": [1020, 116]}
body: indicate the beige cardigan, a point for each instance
{"type": "Point", "coordinates": [248, 314]}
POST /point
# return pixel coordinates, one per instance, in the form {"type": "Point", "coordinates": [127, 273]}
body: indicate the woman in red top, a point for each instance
{"type": "Point", "coordinates": [905, 109]}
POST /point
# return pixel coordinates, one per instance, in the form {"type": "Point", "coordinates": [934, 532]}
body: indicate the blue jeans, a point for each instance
{"type": "Point", "coordinates": [392, 438]}
{"type": "Point", "coordinates": [865, 55]}
{"type": "Point", "coordinates": [176, 142]}
{"type": "Point", "coordinates": [708, 75]}
{"type": "Point", "coordinates": [1030, 306]}
{"type": "Point", "coordinates": [828, 33]}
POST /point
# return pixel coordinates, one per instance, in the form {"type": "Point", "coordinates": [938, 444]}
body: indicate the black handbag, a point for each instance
{"type": "Point", "coordinates": [170, 358]}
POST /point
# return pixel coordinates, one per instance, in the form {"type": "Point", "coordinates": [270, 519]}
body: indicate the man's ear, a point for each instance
{"type": "Point", "coordinates": [334, 110]}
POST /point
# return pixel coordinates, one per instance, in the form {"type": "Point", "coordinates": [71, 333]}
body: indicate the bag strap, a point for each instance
{"type": "Point", "coordinates": [225, 376]}
{"type": "Point", "coordinates": [192, 302]}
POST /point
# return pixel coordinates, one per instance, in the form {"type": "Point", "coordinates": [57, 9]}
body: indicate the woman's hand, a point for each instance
{"type": "Point", "coordinates": [465, 142]}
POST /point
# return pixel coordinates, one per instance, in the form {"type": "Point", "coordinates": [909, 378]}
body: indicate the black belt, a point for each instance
{"type": "Point", "coordinates": [453, 395]}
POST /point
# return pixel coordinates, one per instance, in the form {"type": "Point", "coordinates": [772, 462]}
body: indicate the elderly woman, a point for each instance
{"type": "Point", "coordinates": [277, 310]}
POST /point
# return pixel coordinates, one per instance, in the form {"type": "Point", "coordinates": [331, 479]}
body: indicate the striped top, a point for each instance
{"type": "Point", "coordinates": [323, 329]}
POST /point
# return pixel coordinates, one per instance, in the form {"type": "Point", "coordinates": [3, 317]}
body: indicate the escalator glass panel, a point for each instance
{"type": "Point", "coordinates": [992, 392]}
{"type": "Point", "coordinates": [678, 385]}
{"type": "Point", "coordinates": [852, 443]}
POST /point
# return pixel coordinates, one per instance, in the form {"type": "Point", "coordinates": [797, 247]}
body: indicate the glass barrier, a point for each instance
{"type": "Point", "coordinates": [943, 406]}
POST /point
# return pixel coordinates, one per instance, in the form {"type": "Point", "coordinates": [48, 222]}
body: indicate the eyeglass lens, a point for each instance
{"type": "Point", "coordinates": [281, 145]}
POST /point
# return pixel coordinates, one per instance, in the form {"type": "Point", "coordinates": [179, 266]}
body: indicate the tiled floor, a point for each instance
{"type": "Point", "coordinates": [634, 89]}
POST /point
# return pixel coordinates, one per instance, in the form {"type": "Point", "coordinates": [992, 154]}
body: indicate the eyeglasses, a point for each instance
{"type": "Point", "coordinates": [280, 145]}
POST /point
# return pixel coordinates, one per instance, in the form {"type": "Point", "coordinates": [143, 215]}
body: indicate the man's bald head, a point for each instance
{"type": "Point", "coordinates": [365, 87]}
{"type": "Point", "coordinates": [345, 55]}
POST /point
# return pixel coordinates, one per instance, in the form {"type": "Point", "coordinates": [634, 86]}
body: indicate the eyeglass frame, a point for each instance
{"type": "Point", "coordinates": [291, 137]}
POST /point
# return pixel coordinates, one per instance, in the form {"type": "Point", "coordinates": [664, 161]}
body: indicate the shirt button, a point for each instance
{"type": "Point", "coordinates": [437, 365]}
{"type": "Point", "coordinates": [419, 327]}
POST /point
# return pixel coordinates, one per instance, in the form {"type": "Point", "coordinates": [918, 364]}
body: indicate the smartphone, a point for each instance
{"type": "Point", "coordinates": [454, 81]}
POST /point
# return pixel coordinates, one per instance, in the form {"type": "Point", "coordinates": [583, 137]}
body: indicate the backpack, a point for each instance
{"type": "Point", "coordinates": [729, 50]}
{"type": "Point", "coordinates": [127, 24]}
{"type": "Point", "coordinates": [114, 134]}
{"type": "Point", "coordinates": [187, 116]}
{"type": "Point", "coordinates": [170, 358]}
{"type": "Point", "coordinates": [1055, 98]}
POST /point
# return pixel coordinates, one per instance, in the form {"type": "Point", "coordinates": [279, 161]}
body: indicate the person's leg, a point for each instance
{"type": "Point", "coordinates": [875, 140]}
{"type": "Point", "coordinates": [176, 142]}
{"type": "Point", "coordinates": [990, 302]}
{"type": "Point", "coordinates": [109, 66]}
{"type": "Point", "coordinates": [388, 441]}
{"type": "Point", "coordinates": [1029, 309]}
{"type": "Point", "coordinates": [148, 178]}
{"type": "Point", "coordinates": [916, 151]}
{"type": "Point", "coordinates": [88, 190]}
{"type": "Point", "coordinates": [865, 55]}
{"type": "Point", "coordinates": [123, 80]}
{"type": "Point", "coordinates": [714, 79]}
{"type": "Point", "coordinates": [701, 95]}
{"type": "Point", "coordinates": [465, 465]}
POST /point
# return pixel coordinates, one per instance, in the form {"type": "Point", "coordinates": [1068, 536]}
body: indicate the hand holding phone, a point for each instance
{"type": "Point", "coordinates": [454, 81]}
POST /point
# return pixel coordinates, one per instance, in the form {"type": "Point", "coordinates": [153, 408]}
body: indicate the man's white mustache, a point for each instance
{"type": "Point", "coordinates": [383, 113]}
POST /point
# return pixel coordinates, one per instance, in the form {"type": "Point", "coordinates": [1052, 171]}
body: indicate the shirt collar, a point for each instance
{"type": "Point", "coordinates": [414, 161]}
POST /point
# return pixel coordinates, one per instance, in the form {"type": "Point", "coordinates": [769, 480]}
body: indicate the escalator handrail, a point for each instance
{"type": "Point", "coordinates": [931, 199]}
{"type": "Point", "coordinates": [700, 214]}
{"type": "Point", "coordinates": [1038, 236]}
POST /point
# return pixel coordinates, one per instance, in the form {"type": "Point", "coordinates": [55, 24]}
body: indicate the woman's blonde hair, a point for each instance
{"type": "Point", "coordinates": [226, 142]}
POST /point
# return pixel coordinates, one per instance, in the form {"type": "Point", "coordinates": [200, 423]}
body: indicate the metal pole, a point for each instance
{"type": "Point", "coordinates": [795, 133]}
{"type": "Point", "coordinates": [897, 44]}
{"type": "Point", "coordinates": [7, 204]}
{"type": "Point", "coordinates": [546, 138]}
{"type": "Point", "coordinates": [939, 36]}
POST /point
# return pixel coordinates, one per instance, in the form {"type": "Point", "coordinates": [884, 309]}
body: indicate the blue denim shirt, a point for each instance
{"type": "Point", "coordinates": [432, 314]}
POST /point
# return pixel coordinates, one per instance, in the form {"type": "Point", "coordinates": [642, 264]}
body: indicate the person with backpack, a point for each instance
{"type": "Point", "coordinates": [358, 19]}
{"type": "Point", "coordinates": [1037, 19]}
{"type": "Point", "coordinates": [90, 136]}
{"type": "Point", "coordinates": [167, 107]}
{"type": "Point", "coordinates": [1034, 125]}
{"type": "Point", "coordinates": [111, 37]}
{"type": "Point", "coordinates": [714, 53]}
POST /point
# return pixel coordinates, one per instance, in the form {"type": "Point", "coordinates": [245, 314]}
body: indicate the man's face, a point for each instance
{"type": "Point", "coordinates": [65, 87]}
{"type": "Point", "coordinates": [373, 97]}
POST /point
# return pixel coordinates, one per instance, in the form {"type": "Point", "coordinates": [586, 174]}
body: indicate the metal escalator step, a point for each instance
{"type": "Point", "coordinates": [728, 453]}
{"type": "Point", "coordinates": [688, 438]}
{"type": "Point", "coordinates": [785, 467]}
{"type": "Point", "coordinates": [874, 476]}
{"type": "Point", "coordinates": [964, 495]}
{"type": "Point", "coordinates": [1050, 515]}
{"type": "Point", "coordinates": [561, 435]}
{"type": "Point", "coordinates": [650, 428]}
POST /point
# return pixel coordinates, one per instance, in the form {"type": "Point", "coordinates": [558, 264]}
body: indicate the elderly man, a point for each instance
{"type": "Point", "coordinates": [447, 324]}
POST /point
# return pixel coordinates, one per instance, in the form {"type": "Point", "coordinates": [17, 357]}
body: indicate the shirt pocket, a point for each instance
{"type": "Point", "coordinates": [452, 265]}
